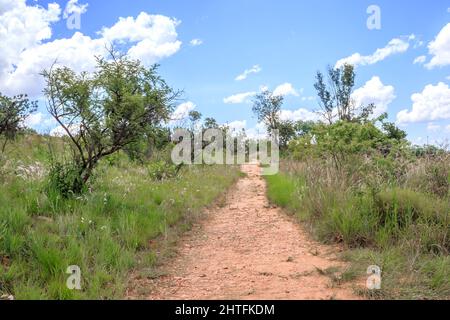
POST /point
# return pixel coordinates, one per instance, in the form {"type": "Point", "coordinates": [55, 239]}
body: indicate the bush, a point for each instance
{"type": "Point", "coordinates": [161, 170]}
{"type": "Point", "coordinates": [65, 180]}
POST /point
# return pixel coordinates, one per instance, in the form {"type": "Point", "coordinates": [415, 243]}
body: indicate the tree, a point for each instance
{"type": "Point", "coordinates": [336, 95]}
{"type": "Point", "coordinates": [13, 112]}
{"type": "Point", "coordinates": [267, 107]}
{"type": "Point", "coordinates": [194, 118]}
{"type": "Point", "coordinates": [210, 123]}
{"type": "Point", "coordinates": [106, 111]}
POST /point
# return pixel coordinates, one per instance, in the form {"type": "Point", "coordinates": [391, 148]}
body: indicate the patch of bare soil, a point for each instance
{"type": "Point", "coordinates": [246, 249]}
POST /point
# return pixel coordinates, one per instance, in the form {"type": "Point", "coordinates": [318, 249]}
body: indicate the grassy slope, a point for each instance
{"type": "Point", "coordinates": [106, 233]}
{"type": "Point", "coordinates": [414, 263]}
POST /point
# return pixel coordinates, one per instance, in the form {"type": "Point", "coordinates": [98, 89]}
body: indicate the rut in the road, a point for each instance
{"type": "Point", "coordinates": [247, 250]}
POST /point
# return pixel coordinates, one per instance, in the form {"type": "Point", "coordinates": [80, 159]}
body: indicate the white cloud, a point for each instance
{"type": "Point", "coordinates": [39, 119]}
{"type": "Point", "coordinates": [433, 127]}
{"type": "Point", "coordinates": [447, 128]}
{"type": "Point", "coordinates": [182, 111]}
{"type": "Point", "coordinates": [285, 89]}
{"type": "Point", "coordinates": [374, 91]}
{"type": "Point", "coordinates": [440, 49]}
{"type": "Point", "coordinates": [34, 119]}
{"type": "Point", "coordinates": [394, 46]}
{"type": "Point", "coordinates": [237, 126]}
{"type": "Point", "coordinates": [432, 104]}
{"type": "Point", "coordinates": [73, 7]}
{"type": "Point", "coordinates": [255, 69]}
{"type": "Point", "coordinates": [22, 27]}
{"type": "Point", "coordinates": [61, 132]}
{"type": "Point", "coordinates": [420, 60]}
{"type": "Point", "coordinates": [300, 114]}
{"type": "Point", "coordinates": [239, 98]}
{"type": "Point", "coordinates": [25, 32]}
{"type": "Point", "coordinates": [196, 42]}
{"type": "Point", "coordinates": [259, 131]}
{"type": "Point", "coordinates": [155, 36]}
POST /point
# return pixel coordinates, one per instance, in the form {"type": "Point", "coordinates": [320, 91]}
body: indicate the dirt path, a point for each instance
{"type": "Point", "coordinates": [248, 250]}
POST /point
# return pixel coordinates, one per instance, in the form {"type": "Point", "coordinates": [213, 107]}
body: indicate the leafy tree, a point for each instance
{"type": "Point", "coordinates": [335, 95]}
{"type": "Point", "coordinates": [108, 110]}
{"type": "Point", "coordinates": [210, 123]}
{"type": "Point", "coordinates": [393, 132]}
{"type": "Point", "coordinates": [344, 139]}
{"type": "Point", "coordinates": [194, 118]}
{"type": "Point", "coordinates": [267, 107]}
{"type": "Point", "coordinates": [13, 112]}
{"type": "Point", "coordinates": [303, 127]}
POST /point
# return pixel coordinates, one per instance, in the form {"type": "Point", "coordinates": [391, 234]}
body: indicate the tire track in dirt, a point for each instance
{"type": "Point", "coordinates": [247, 250]}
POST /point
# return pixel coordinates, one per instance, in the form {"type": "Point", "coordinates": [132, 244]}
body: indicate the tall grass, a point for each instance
{"type": "Point", "coordinates": [106, 231]}
{"type": "Point", "coordinates": [402, 225]}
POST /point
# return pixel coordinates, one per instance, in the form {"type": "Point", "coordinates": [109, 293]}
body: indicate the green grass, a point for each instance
{"type": "Point", "coordinates": [405, 232]}
{"type": "Point", "coordinates": [107, 232]}
{"type": "Point", "coordinates": [282, 189]}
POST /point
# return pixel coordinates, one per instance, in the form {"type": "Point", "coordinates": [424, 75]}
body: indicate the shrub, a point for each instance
{"type": "Point", "coordinates": [65, 180]}
{"type": "Point", "coordinates": [161, 170]}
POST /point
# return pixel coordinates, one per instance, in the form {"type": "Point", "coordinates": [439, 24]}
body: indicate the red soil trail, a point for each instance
{"type": "Point", "coordinates": [247, 249]}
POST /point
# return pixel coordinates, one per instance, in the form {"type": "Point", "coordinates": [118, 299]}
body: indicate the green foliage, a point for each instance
{"type": "Point", "coordinates": [335, 94]}
{"type": "Point", "coordinates": [412, 225]}
{"type": "Point", "coordinates": [281, 190]}
{"type": "Point", "coordinates": [104, 231]}
{"type": "Point", "coordinates": [267, 107]}
{"type": "Point", "coordinates": [13, 112]}
{"type": "Point", "coordinates": [161, 170]}
{"type": "Point", "coordinates": [109, 110]}
{"type": "Point", "coordinates": [65, 180]}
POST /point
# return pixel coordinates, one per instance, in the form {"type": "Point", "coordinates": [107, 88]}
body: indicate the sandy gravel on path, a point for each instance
{"type": "Point", "coordinates": [246, 250]}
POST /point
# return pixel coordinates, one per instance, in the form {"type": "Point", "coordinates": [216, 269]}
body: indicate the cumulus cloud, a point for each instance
{"type": "Point", "coordinates": [26, 50]}
{"type": "Point", "coordinates": [237, 126]}
{"type": "Point", "coordinates": [439, 48]}
{"type": "Point", "coordinates": [22, 27]}
{"type": "Point", "coordinates": [374, 91]}
{"type": "Point", "coordinates": [394, 46]}
{"type": "Point", "coordinates": [299, 114]}
{"type": "Point", "coordinates": [433, 127]}
{"type": "Point", "coordinates": [196, 42]}
{"type": "Point", "coordinates": [240, 98]}
{"type": "Point", "coordinates": [59, 131]}
{"type": "Point", "coordinates": [432, 104]}
{"type": "Point", "coordinates": [255, 69]}
{"type": "Point", "coordinates": [39, 119]}
{"type": "Point", "coordinates": [182, 111]}
{"type": "Point", "coordinates": [420, 60]}
{"type": "Point", "coordinates": [73, 7]}
{"type": "Point", "coordinates": [155, 36]}
{"type": "Point", "coordinates": [285, 89]}
{"type": "Point", "coordinates": [259, 131]}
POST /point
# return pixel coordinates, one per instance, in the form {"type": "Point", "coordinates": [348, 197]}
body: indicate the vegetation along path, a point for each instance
{"type": "Point", "coordinates": [247, 249]}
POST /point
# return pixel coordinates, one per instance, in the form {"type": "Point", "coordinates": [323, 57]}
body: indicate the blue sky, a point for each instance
{"type": "Point", "coordinates": [286, 41]}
